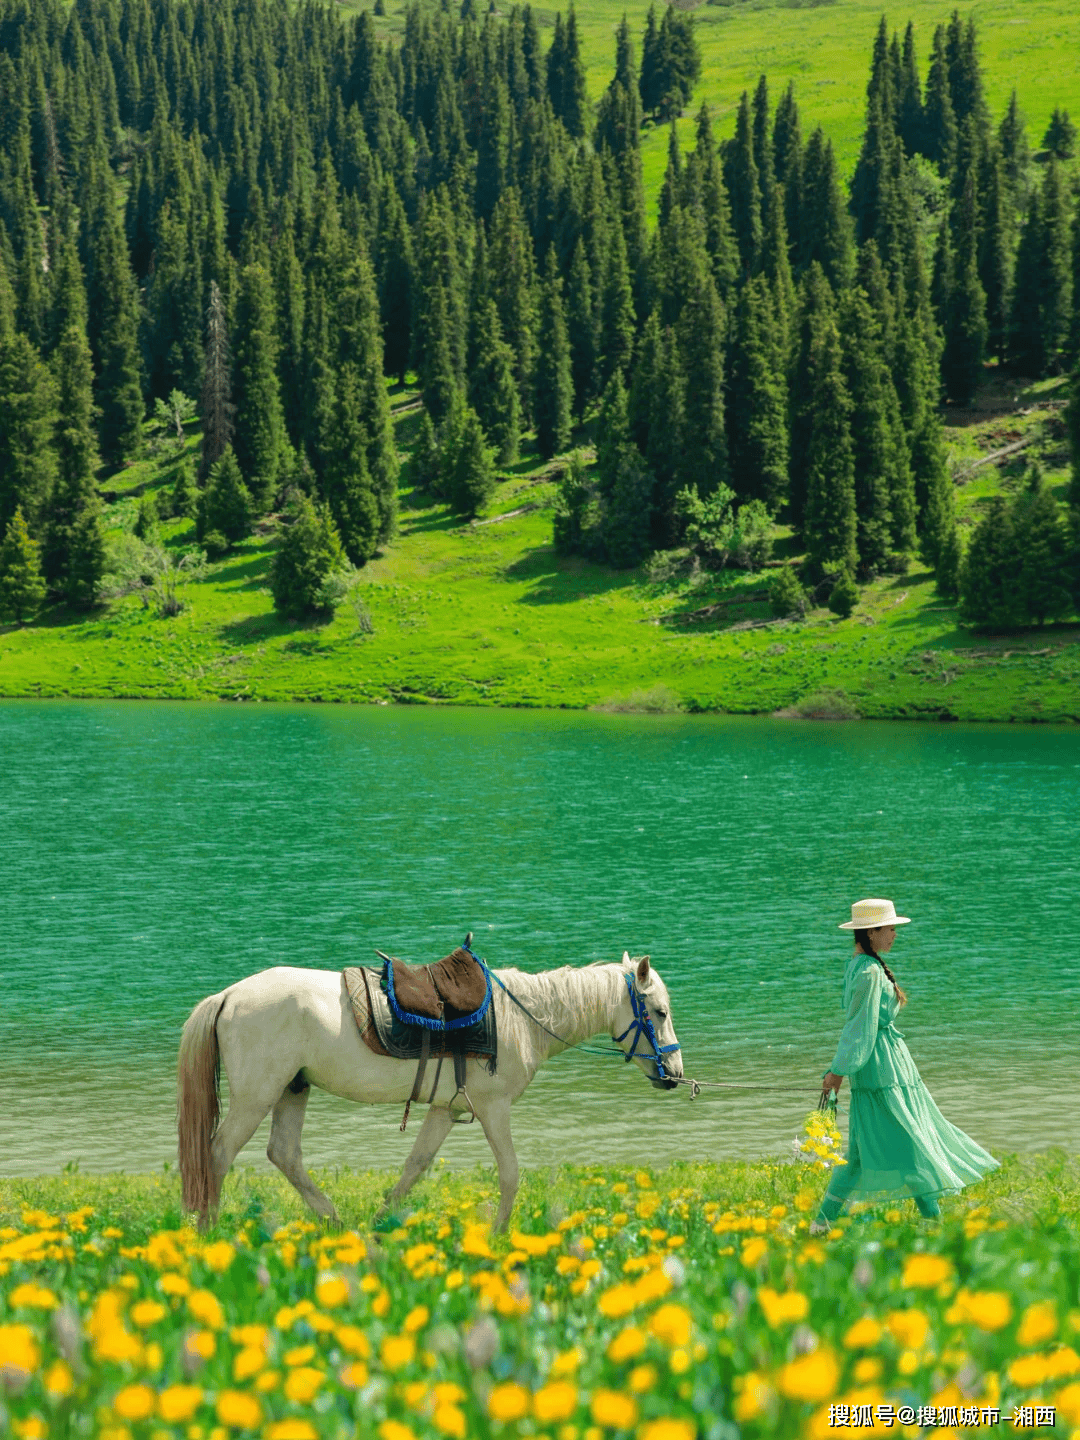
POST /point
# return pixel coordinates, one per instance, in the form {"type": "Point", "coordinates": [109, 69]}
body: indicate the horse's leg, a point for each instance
{"type": "Point", "coordinates": [495, 1118]}
{"type": "Point", "coordinates": [246, 1114]}
{"type": "Point", "coordinates": [283, 1150]}
{"type": "Point", "coordinates": [437, 1125]}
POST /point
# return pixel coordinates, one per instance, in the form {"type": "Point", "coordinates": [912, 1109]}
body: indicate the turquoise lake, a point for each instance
{"type": "Point", "coordinates": [153, 853]}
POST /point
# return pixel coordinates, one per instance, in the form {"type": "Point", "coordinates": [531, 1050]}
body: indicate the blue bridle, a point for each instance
{"type": "Point", "coordinates": [642, 1025]}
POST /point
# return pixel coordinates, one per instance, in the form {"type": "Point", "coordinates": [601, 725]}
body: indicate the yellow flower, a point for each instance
{"type": "Point", "coordinates": [134, 1402]}
{"type": "Point", "coordinates": [292, 1430]}
{"type": "Point", "coordinates": [1037, 1324]}
{"type": "Point", "coordinates": [626, 1345]}
{"type": "Point", "coordinates": [556, 1401]}
{"type": "Point", "coordinates": [355, 1376]}
{"type": "Point", "coordinates": [909, 1328]}
{"type": "Point", "coordinates": [248, 1362]}
{"type": "Point", "coordinates": [866, 1369]}
{"type": "Point", "coordinates": [863, 1334]}
{"type": "Point", "coordinates": [671, 1324]}
{"type": "Point", "coordinates": [455, 1279]}
{"type": "Point", "coordinates": [567, 1264]}
{"type": "Point", "coordinates": [219, 1256]}
{"type": "Point", "coordinates": [394, 1430]}
{"type": "Point", "coordinates": [179, 1402]}
{"type": "Point", "coordinates": [174, 1285]}
{"type": "Point", "coordinates": [397, 1351]}
{"type": "Point", "coordinates": [32, 1296]}
{"type": "Point", "coordinates": [988, 1309]}
{"type": "Point", "coordinates": [450, 1420]}
{"type": "Point", "coordinates": [33, 1428]}
{"type": "Point", "coordinates": [1067, 1404]}
{"type": "Point", "coordinates": [617, 1301]}
{"type": "Point", "coordinates": [416, 1319]}
{"type": "Point", "coordinates": [59, 1380]}
{"type": "Point", "coordinates": [643, 1180]}
{"type": "Point", "coordinates": [353, 1340]}
{"type": "Point", "coordinates": [642, 1378]}
{"type": "Point", "coordinates": [752, 1251]}
{"type": "Point", "coordinates": [201, 1344]}
{"type": "Point", "coordinates": [567, 1362]}
{"type": "Point", "coordinates": [381, 1304]}
{"type": "Point", "coordinates": [303, 1383]}
{"type": "Point", "coordinates": [331, 1291]}
{"type": "Point", "coordinates": [1028, 1370]}
{"type": "Point", "coordinates": [680, 1361]}
{"type": "Point", "coordinates": [148, 1312]}
{"type": "Point", "coordinates": [923, 1272]}
{"type": "Point", "coordinates": [611, 1408]}
{"type": "Point", "coordinates": [205, 1306]}
{"type": "Point", "coordinates": [299, 1355]}
{"type": "Point", "coordinates": [810, 1377]}
{"type": "Point", "coordinates": [267, 1381]}
{"type": "Point", "coordinates": [447, 1393]}
{"type": "Point", "coordinates": [238, 1409]}
{"type": "Point", "coordinates": [668, 1430]}
{"type": "Point", "coordinates": [18, 1348]}
{"type": "Point", "coordinates": [508, 1401]}
{"type": "Point", "coordinates": [781, 1308]}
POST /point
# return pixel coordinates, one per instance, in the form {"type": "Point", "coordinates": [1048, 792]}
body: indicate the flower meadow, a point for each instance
{"type": "Point", "coordinates": [683, 1304]}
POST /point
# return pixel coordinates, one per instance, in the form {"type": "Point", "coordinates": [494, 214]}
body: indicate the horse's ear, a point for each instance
{"type": "Point", "coordinates": [626, 957]}
{"type": "Point", "coordinates": [643, 970]}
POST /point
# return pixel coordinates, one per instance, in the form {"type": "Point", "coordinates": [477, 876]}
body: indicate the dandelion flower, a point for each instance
{"type": "Point", "coordinates": [59, 1380]}
{"type": "Point", "coordinates": [627, 1344]}
{"type": "Point", "coordinates": [613, 1409]}
{"type": "Point", "coordinates": [568, 1362]}
{"type": "Point", "coordinates": [355, 1376]}
{"type": "Point", "coordinates": [238, 1409]}
{"type": "Point", "coordinates": [752, 1251]}
{"type": "Point", "coordinates": [148, 1312]}
{"type": "Point", "coordinates": [293, 1429]}
{"type": "Point", "coordinates": [508, 1401]}
{"type": "Point", "coordinates": [18, 1348]}
{"type": "Point", "coordinates": [205, 1306]}
{"type": "Point", "coordinates": [299, 1355]}
{"type": "Point", "coordinates": [248, 1362]}
{"type": "Point", "coordinates": [810, 1377]}
{"type": "Point", "coordinates": [179, 1402]}
{"type": "Point", "coordinates": [302, 1384]}
{"type": "Point", "coordinates": [416, 1319]}
{"type": "Point", "coordinates": [924, 1272]}
{"type": "Point", "coordinates": [394, 1430]}
{"type": "Point", "coordinates": [671, 1324]}
{"type": "Point", "coordinates": [219, 1256]}
{"type": "Point", "coordinates": [863, 1334]}
{"type": "Point", "coordinates": [353, 1340]}
{"type": "Point", "coordinates": [134, 1402]}
{"type": "Point", "coordinates": [450, 1421]}
{"type": "Point", "coordinates": [556, 1401]}
{"type": "Point", "coordinates": [908, 1328]}
{"type": "Point", "coordinates": [331, 1291]}
{"type": "Point", "coordinates": [1037, 1324]}
{"type": "Point", "coordinates": [398, 1351]}
{"type": "Point", "coordinates": [32, 1296]}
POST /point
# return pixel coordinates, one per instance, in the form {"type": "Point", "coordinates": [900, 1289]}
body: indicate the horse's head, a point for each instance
{"type": "Point", "coordinates": [643, 1028]}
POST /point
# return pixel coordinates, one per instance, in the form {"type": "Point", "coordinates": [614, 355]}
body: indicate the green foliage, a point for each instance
{"type": "Point", "coordinates": [844, 596]}
{"type": "Point", "coordinates": [1060, 137]}
{"type": "Point", "coordinates": [147, 517]}
{"type": "Point", "coordinates": [573, 496]}
{"type": "Point", "coordinates": [787, 594]}
{"type": "Point", "coordinates": [22, 585]}
{"type": "Point", "coordinates": [225, 506]}
{"type": "Point", "coordinates": [183, 501]}
{"type": "Point", "coordinates": [308, 560]}
{"type": "Point", "coordinates": [670, 63]}
{"type": "Point", "coordinates": [470, 477]}
{"type": "Point", "coordinates": [721, 534]}
{"type": "Point", "coordinates": [948, 565]}
{"type": "Point", "coordinates": [85, 569]}
{"type": "Point", "coordinates": [1018, 566]}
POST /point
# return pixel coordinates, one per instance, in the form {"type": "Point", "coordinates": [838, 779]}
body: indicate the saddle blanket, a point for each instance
{"type": "Point", "coordinates": [384, 1034]}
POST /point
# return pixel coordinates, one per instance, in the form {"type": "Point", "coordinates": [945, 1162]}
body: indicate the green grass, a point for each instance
{"type": "Point", "coordinates": [824, 47]}
{"type": "Point", "coordinates": [488, 614]}
{"type": "Point", "coordinates": [661, 1303]}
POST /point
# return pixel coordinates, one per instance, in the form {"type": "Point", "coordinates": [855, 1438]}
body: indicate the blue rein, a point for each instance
{"type": "Point", "coordinates": [642, 1025]}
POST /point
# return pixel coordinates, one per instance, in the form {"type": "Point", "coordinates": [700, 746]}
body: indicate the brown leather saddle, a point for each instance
{"type": "Point", "coordinates": [422, 1012]}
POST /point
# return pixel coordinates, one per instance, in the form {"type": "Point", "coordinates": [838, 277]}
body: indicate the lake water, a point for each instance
{"type": "Point", "coordinates": [154, 853]}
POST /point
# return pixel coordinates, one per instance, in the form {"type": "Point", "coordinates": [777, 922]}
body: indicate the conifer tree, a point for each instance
{"type": "Point", "coordinates": [939, 116]}
{"type": "Point", "coordinates": [788, 157]}
{"type": "Point", "coordinates": [666, 436]}
{"type": "Point", "coordinates": [1042, 543]}
{"type": "Point", "coordinates": [554, 383]}
{"type": "Point", "coordinates": [86, 557]}
{"type": "Point", "coordinates": [763, 149]}
{"type": "Point", "coordinates": [617, 313]}
{"type": "Point", "coordinates": [115, 309]}
{"type": "Point", "coordinates": [716, 210]}
{"type": "Point", "coordinates": [875, 440]}
{"type": "Point", "coordinates": [259, 428]}
{"type": "Point", "coordinates": [823, 227]}
{"type": "Point", "coordinates": [1060, 137]}
{"type": "Point", "coordinates": [989, 596]}
{"type": "Point", "coordinates": [492, 392]}
{"type": "Point", "coordinates": [744, 189]}
{"type": "Point", "coordinates": [995, 259]}
{"type": "Point", "coordinates": [816, 307]}
{"type": "Point", "coordinates": [757, 404]}
{"type": "Point", "coordinates": [910, 122]}
{"type": "Point", "coordinates": [217, 410]}
{"type": "Point", "coordinates": [472, 479]}
{"type": "Point", "coordinates": [22, 585]}
{"type": "Point", "coordinates": [1015, 153]}
{"type": "Point", "coordinates": [700, 332]}
{"type": "Point", "coordinates": [582, 329]}
{"type": "Point", "coordinates": [829, 526]}
{"type": "Point", "coordinates": [310, 551]}
{"type": "Point", "coordinates": [965, 314]}
{"type": "Point", "coordinates": [510, 262]}
{"type": "Point", "coordinates": [225, 505]}
{"type": "Point", "coordinates": [395, 269]}
{"type": "Point", "coordinates": [28, 417]}
{"type": "Point", "coordinates": [76, 450]}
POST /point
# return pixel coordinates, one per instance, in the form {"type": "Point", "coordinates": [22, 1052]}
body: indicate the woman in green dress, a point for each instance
{"type": "Point", "coordinates": [899, 1143]}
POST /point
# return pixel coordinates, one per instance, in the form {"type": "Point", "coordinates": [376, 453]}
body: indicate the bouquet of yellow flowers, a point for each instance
{"type": "Point", "coordinates": [821, 1142]}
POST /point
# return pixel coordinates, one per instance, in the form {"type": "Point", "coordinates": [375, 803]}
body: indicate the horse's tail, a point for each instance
{"type": "Point", "coordinates": [198, 1076]}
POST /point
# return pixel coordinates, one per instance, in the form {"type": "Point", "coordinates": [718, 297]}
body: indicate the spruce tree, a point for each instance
{"type": "Point", "coordinates": [830, 525]}
{"type": "Point", "coordinates": [217, 410]}
{"type": "Point", "coordinates": [939, 115]}
{"type": "Point", "coordinates": [492, 392]}
{"type": "Point", "coordinates": [757, 403]}
{"type": "Point", "coordinates": [554, 394]}
{"type": "Point", "coordinates": [310, 551]}
{"type": "Point", "coordinates": [965, 314]}
{"type": "Point", "coordinates": [744, 189]}
{"type": "Point", "coordinates": [989, 595]}
{"type": "Point", "coordinates": [1060, 137]}
{"type": "Point", "coordinates": [873, 439]}
{"type": "Point", "coordinates": [910, 120]}
{"type": "Point", "coordinates": [823, 227]}
{"type": "Point", "coordinates": [582, 329]}
{"type": "Point", "coordinates": [1042, 543]}
{"type": "Point", "coordinates": [259, 430]}
{"type": "Point", "coordinates": [22, 585]}
{"type": "Point", "coordinates": [86, 557]}
{"type": "Point", "coordinates": [225, 505]}
{"type": "Point", "coordinates": [617, 314]}
{"type": "Point", "coordinates": [472, 479]}
{"type": "Point", "coordinates": [76, 447]}
{"type": "Point", "coordinates": [28, 418]}
{"type": "Point", "coordinates": [700, 332]}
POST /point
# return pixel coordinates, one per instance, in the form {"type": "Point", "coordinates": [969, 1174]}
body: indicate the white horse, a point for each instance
{"type": "Point", "coordinates": [281, 1031]}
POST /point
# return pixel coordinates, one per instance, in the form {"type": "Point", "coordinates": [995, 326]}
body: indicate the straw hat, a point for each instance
{"type": "Point", "coordinates": [869, 914]}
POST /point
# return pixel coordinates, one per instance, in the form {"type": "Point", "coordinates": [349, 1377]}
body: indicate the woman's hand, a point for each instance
{"type": "Point", "coordinates": [831, 1082]}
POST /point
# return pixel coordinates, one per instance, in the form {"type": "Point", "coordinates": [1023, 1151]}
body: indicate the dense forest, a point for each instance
{"type": "Point", "coordinates": [262, 207]}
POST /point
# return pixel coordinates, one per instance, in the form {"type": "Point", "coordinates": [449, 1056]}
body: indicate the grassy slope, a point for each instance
{"type": "Point", "coordinates": [824, 47]}
{"type": "Point", "coordinates": [488, 614]}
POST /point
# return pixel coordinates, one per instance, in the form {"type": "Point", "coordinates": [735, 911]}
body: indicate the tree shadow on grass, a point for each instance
{"type": "Point", "coordinates": [235, 567]}
{"type": "Point", "coordinates": [559, 580]}
{"type": "Point", "coordinates": [254, 629]}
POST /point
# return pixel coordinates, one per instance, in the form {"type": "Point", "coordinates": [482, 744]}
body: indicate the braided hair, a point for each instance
{"type": "Point", "coordinates": [862, 939]}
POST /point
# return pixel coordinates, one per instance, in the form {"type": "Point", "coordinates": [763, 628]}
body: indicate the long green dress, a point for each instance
{"type": "Point", "coordinates": [899, 1143]}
